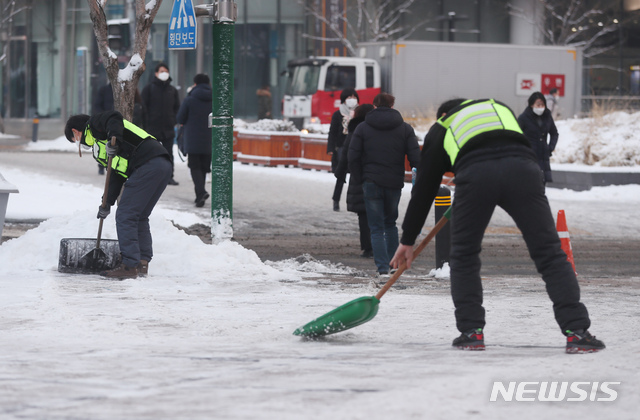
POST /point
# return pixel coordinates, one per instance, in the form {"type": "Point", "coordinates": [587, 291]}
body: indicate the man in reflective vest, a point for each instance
{"type": "Point", "coordinates": [142, 166]}
{"type": "Point", "coordinates": [481, 142]}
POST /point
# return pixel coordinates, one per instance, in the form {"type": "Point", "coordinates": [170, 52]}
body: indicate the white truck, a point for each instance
{"type": "Point", "coordinates": [314, 85]}
{"type": "Point", "coordinates": [421, 75]}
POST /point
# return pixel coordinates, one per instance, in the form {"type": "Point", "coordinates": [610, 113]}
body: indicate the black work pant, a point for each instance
{"type": "Point", "coordinates": [515, 184]}
{"type": "Point", "coordinates": [365, 233]}
{"type": "Point", "coordinates": [200, 166]}
{"type": "Point", "coordinates": [335, 160]}
{"type": "Point", "coordinates": [141, 192]}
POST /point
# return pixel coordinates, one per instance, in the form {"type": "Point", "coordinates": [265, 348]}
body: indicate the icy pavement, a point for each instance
{"type": "Point", "coordinates": [208, 335]}
{"type": "Point", "coordinates": [213, 339]}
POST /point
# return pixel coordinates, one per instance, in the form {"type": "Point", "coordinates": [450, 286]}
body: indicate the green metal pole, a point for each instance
{"type": "Point", "coordinates": [222, 122]}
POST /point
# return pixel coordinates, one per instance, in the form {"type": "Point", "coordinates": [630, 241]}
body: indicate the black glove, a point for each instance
{"type": "Point", "coordinates": [112, 151]}
{"type": "Point", "coordinates": [103, 212]}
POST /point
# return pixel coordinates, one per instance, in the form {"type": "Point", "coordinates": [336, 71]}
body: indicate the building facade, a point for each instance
{"type": "Point", "coordinates": [51, 66]}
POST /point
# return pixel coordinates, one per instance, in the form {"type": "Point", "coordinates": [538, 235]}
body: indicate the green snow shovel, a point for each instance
{"type": "Point", "coordinates": [363, 309]}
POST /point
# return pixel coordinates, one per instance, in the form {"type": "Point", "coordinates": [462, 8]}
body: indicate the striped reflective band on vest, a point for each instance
{"type": "Point", "coordinates": [475, 119]}
{"type": "Point", "coordinates": [136, 130]}
{"type": "Point", "coordinates": [118, 163]}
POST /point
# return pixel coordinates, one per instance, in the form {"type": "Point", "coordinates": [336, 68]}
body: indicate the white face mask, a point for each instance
{"type": "Point", "coordinates": [539, 111]}
{"type": "Point", "coordinates": [351, 102]}
{"type": "Point", "coordinates": [164, 76]}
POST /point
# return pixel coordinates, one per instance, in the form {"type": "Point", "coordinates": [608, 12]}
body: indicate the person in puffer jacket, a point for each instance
{"type": "Point", "coordinates": [194, 115]}
{"type": "Point", "coordinates": [377, 160]}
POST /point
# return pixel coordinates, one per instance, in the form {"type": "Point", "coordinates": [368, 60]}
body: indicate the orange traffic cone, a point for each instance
{"type": "Point", "coordinates": [565, 241]}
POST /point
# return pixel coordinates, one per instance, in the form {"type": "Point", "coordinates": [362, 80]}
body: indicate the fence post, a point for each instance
{"type": "Point", "coordinates": [443, 238]}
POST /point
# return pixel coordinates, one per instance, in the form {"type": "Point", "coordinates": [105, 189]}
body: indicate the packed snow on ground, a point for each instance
{"type": "Point", "coordinates": [209, 333]}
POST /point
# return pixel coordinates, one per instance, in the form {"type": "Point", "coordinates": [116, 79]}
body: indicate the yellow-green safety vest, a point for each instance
{"type": "Point", "coordinates": [99, 146]}
{"type": "Point", "coordinates": [473, 120]}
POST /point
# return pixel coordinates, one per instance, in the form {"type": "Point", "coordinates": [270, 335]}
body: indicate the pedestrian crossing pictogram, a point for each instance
{"type": "Point", "coordinates": [182, 26]}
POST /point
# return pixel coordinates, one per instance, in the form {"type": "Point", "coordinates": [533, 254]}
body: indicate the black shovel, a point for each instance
{"type": "Point", "coordinates": [88, 256]}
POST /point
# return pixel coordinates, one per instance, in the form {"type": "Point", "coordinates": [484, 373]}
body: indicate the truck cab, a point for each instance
{"type": "Point", "coordinates": [314, 85]}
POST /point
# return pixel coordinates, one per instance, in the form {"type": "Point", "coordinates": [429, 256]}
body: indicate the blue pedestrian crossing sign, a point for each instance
{"type": "Point", "coordinates": [183, 29]}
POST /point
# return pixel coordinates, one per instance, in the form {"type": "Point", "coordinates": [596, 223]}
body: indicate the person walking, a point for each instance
{"type": "Point", "coordinates": [264, 102]}
{"type": "Point", "coordinates": [482, 143]}
{"type": "Point", "coordinates": [355, 194]}
{"type": "Point", "coordinates": [161, 102]}
{"type": "Point", "coordinates": [141, 170]}
{"type": "Point", "coordinates": [377, 160]}
{"type": "Point", "coordinates": [194, 116]}
{"type": "Point", "coordinates": [552, 103]}
{"type": "Point", "coordinates": [538, 127]}
{"type": "Point", "coordinates": [337, 134]}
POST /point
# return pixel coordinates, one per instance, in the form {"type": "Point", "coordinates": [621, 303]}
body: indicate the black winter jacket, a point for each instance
{"type": "Point", "coordinates": [355, 194]}
{"type": "Point", "coordinates": [379, 146]}
{"type": "Point", "coordinates": [132, 147]}
{"type": "Point", "coordinates": [103, 101]}
{"type": "Point", "coordinates": [537, 129]}
{"type": "Point", "coordinates": [336, 136]}
{"type": "Point", "coordinates": [435, 161]}
{"type": "Point", "coordinates": [161, 102]}
{"type": "Point", "coordinates": [194, 114]}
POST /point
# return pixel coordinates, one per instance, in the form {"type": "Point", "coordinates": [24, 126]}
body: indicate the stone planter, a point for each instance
{"type": "Point", "coordinates": [268, 148]}
{"type": "Point", "coordinates": [314, 152]}
{"type": "Point", "coordinates": [236, 145]}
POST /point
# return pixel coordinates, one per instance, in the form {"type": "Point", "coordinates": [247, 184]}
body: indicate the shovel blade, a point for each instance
{"type": "Point", "coordinates": [81, 256]}
{"type": "Point", "coordinates": [344, 317]}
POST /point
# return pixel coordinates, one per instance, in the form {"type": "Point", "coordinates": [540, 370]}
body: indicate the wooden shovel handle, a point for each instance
{"type": "Point", "coordinates": [443, 221]}
{"type": "Point", "coordinates": [106, 191]}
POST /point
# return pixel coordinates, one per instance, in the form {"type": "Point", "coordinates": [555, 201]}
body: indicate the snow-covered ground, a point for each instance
{"type": "Point", "coordinates": [209, 333]}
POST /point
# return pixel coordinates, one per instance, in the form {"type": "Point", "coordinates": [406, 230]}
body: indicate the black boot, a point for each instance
{"type": "Point", "coordinates": [580, 341]}
{"type": "Point", "coordinates": [470, 340]}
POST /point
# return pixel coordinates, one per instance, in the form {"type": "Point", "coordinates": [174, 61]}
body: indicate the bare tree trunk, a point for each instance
{"type": "Point", "coordinates": [125, 81]}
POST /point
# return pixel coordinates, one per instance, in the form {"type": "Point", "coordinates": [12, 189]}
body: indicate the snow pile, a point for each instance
{"type": "Point", "coordinates": [610, 140]}
{"type": "Point", "coordinates": [318, 128]}
{"type": "Point", "coordinates": [308, 264]}
{"type": "Point", "coordinates": [443, 272]}
{"type": "Point", "coordinates": [272, 125]}
{"type": "Point", "coordinates": [59, 144]}
{"type": "Point", "coordinates": [239, 124]}
{"type": "Point", "coordinates": [37, 251]}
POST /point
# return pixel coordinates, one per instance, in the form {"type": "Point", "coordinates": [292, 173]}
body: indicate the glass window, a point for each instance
{"type": "Point", "coordinates": [303, 80]}
{"type": "Point", "coordinates": [369, 76]}
{"type": "Point", "coordinates": [340, 77]}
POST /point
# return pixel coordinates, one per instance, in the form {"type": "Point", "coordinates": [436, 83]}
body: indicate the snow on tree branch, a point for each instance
{"type": "Point", "coordinates": [125, 81]}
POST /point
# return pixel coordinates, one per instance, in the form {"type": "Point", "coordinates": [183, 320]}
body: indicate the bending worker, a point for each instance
{"type": "Point", "coordinates": [142, 165]}
{"type": "Point", "coordinates": [481, 142]}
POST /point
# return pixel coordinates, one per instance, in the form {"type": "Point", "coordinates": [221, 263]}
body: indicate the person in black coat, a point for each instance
{"type": "Point", "coordinates": [537, 125]}
{"type": "Point", "coordinates": [161, 102]}
{"type": "Point", "coordinates": [355, 195]}
{"type": "Point", "coordinates": [103, 100]}
{"type": "Point", "coordinates": [337, 134]}
{"type": "Point", "coordinates": [194, 115]}
{"type": "Point", "coordinates": [376, 158]}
